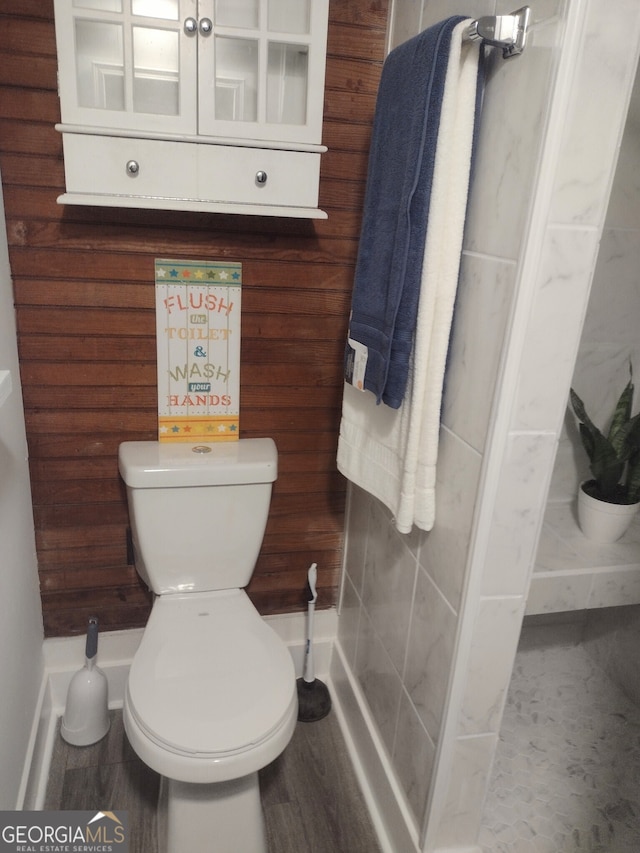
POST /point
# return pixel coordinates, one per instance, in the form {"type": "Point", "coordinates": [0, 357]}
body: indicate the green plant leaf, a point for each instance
{"type": "Point", "coordinates": [607, 459]}
{"type": "Point", "coordinates": [580, 411]}
{"type": "Point", "coordinates": [589, 432]}
{"type": "Point", "coordinates": [620, 423]}
{"type": "Point", "coordinates": [614, 459]}
{"type": "Point", "coordinates": [633, 433]}
{"type": "Point", "coordinates": [588, 441]}
{"type": "Point", "coordinates": [605, 465]}
{"type": "Point", "coordinates": [633, 478]}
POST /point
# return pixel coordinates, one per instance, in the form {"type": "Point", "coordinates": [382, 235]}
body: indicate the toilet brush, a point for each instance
{"type": "Point", "coordinates": [86, 715]}
{"type": "Point", "coordinates": [314, 701]}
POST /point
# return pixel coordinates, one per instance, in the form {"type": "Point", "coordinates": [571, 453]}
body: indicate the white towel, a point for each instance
{"type": "Point", "coordinates": [392, 453]}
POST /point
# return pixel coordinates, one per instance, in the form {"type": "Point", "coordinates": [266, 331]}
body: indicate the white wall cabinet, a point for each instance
{"type": "Point", "coordinates": [193, 104]}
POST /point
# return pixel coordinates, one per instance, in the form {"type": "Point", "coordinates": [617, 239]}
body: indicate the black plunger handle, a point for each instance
{"type": "Point", "coordinates": [92, 638]}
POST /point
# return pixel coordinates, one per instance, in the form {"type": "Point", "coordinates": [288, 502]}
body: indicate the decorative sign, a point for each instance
{"type": "Point", "coordinates": [198, 334]}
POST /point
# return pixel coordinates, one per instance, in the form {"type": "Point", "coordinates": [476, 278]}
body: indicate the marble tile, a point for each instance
{"type": "Point", "coordinates": [379, 680]}
{"type": "Point", "coordinates": [600, 375]}
{"type": "Point", "coordinates": [572, 573]}
{"type": "Point", "coordinates": [509, 145]}
{"type": "Point", "coordinates": [624, 204]}
{"type": "Point", "coordinates": [443, 553]}
{"type": "Point", "coordinates": [541, 10]}
{"type": "Point", "coordinates": [463, 809]}
{"type": "Point", "coordinates": [557, 594]}
{"type": "Point", "coordinates": [481, 315]}
{"type": "Point", "coordinates": [614, 304]}
{"type": "Point", "coordinates": [599, 633]}
{"type": "Point", "coordinates": [565, 777]}
{"type": "Point", "coordinates": [413, 757]}
{"type": "Point", "coordinates": [516, 515]}
{"type": "Point", "coordinates": [388, 587]}
{"type": "Point", "coordinates": [614, 588]}
{"type": "Point", "coordinates": [554, 327]}
{"type": "Point", "coordinates": [496, 633]}
{"type": "Point", "coordinates": [553, 553]}
{"type": "Point", "coordinates": [349, 621]}
{"type": "Point", "coordinates": [412, 16]}
{"type": "Point", "coordinates": [437, 10]}
{"type": "Point", "coordinates": [562, 519]}
{"type": "Point", "coordinates": [358, 535]}
{"type": "Point", "coordinates": [430, 652]}
{"type": "Point", "coordinates": [571, 466]}
{"type": "Point", "coordinates": [593, 125]}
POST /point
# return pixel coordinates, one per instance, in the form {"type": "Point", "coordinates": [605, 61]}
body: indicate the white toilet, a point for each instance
{"type": "Point", "coordinates": [211, 696]}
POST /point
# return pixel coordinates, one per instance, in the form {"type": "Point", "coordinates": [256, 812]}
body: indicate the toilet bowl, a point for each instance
{"type": "Point", "coordinates": [211, 694]}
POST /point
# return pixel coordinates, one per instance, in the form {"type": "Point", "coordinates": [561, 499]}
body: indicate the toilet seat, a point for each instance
{"type": "Point", "coordinates": [211, 686]}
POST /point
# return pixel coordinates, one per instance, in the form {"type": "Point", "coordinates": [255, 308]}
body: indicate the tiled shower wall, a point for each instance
{"type": "Point", "coordinates": [429, 623]}
{"type": "Point", "coordinates": [610, 336]}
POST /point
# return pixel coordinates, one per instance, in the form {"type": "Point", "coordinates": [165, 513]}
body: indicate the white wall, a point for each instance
{"type": "Point", "coordinates": [21, 632]}
{"type": "Point", "coordinates": [429, 623]}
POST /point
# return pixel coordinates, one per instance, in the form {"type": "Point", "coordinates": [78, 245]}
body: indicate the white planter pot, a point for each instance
{"type": "Point", "coordinates": [601, 521]}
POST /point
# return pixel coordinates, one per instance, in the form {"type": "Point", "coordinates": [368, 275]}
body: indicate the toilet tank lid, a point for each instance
{"type": "Point", "coordinates": [157, 465]}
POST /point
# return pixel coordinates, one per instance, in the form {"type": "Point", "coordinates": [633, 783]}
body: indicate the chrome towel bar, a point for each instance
{"type": "Point", "coordinates": [506, 31]}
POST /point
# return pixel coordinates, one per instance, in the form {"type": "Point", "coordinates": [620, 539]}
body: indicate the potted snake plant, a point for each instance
{"type": "Point", "coordinates": [609, 500]}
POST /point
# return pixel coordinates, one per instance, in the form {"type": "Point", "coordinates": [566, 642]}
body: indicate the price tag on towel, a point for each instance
{"type": "Point", "coordinates": [357, 364]}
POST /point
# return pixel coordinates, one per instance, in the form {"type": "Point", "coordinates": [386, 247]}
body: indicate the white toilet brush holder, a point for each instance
{"type": "Point", "coordinates": [86, 716]}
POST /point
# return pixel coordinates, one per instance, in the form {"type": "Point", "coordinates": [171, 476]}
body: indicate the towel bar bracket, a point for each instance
{"type": "Point", "coordinates": [506, 31]}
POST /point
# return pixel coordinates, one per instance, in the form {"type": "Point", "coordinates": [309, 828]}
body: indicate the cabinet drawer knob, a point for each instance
{"type": "Point", "coordinates": [206, 26]}
{"type": "Point", "coordinates": [261, 177]}
{"type": "Point", "coordinates": [190, 26]}
{"type": "Point", "coordinates": [133, 167]}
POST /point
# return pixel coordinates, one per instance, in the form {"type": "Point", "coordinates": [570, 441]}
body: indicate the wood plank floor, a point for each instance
{"type": "Point", "coordinates": [311, 799]}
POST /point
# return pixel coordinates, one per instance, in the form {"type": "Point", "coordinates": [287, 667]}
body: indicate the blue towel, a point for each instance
{"type": "Point", "coordinates": [401, 165]}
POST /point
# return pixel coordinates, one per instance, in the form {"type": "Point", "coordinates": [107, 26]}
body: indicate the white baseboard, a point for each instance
{"type": "Point", "coordinates": [64, 656]}
{"type": "Point", "coordinates": [38, 750]}
{"type": "Point", "coordinates": [391, 816]}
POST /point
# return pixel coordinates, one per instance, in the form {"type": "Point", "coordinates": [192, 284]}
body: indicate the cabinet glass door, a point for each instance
{"type": "Point", "coordinates": [99, 64]}
{"type": "Point", "coordinates": [287, 83]}
{"type": "Point", "coordinates": [156, 71]}
{"type": "Point", "coordinates": [257, 70]}
{"type": "Point", "coordinates": [244, 14]}
{"type": "Point", "coordinates": [134, 67]}
{"type": "Point", "coordinates": [236, 79]}
{"type": "Point", "coordinates": [289, 16]}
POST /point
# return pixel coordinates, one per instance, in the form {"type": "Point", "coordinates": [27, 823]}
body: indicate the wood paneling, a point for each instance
{"type": "Point", "coordinates": [84, 295]}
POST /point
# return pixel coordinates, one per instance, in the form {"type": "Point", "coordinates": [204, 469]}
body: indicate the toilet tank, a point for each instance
{"type": "Point", "coordinates": [197, 512]}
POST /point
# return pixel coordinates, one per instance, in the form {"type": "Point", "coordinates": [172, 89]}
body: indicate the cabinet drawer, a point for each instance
{"type": "Point", "coordinates": [189, 175]}
{"type": "Point", "coordinates": [258, 176]}
{"type": "Point", "coordinates": [104, 165]}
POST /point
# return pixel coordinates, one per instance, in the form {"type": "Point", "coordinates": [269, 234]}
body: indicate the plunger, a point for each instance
{"type": "Point", "coordinates": [314, 701]}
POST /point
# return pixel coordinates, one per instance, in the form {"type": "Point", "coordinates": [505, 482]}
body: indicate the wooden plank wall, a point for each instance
{"type": "Point", "coordinates": [84, 294]}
